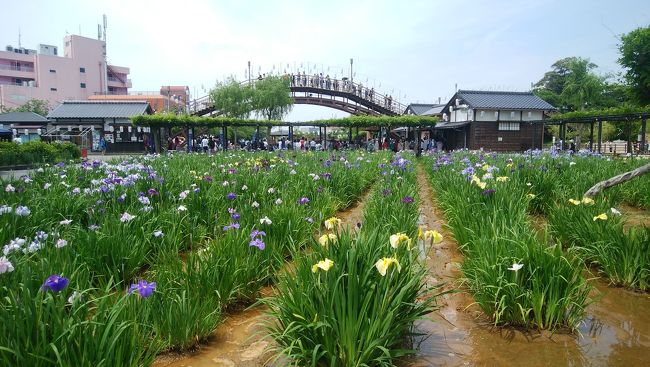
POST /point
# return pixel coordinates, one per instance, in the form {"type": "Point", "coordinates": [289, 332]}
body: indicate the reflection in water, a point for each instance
{"type": "Point", "coordinates": [616, 331]}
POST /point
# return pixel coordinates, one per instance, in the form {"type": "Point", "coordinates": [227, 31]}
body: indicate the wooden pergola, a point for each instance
{"type": "Point", "coordinates": [598, 117]}
{"type": "Point", "coordinates": [381, 123]}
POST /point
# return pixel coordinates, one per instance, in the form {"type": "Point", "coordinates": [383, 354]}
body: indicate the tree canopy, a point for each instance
{"type": "Point", "coordinates": [38, 106]}
{"type": "Point", "coordinates": [635, 57]}
{"type": "Point", "coordinates": [272, 97]}
{"type": "Point", "coordinates": [572, 85]}
{"type": "Point", "coordinates": [232, 99]}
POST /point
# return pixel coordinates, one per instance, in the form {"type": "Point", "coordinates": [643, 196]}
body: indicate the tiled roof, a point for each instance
{"type": "Point", "coordinates": [435, 110]}
{"type": "Point", "coordinates": [419, 108]}
{"type": "Point", "coordinates": [30, 117]}
{"type": "Point", "coordinates": [502, 100]}
{"type": "Point", "coordinates": [99, 109]}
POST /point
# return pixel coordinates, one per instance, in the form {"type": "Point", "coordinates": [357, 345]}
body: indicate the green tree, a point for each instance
{"type": "Point", "coordinates": [582, 88]}
{"type": "Point", "coordinates": [38, 106]}
{"type": "Point", "coordinates": [635, 57]}
{"type": "Point", "coordinates": [232, 99]}
{"type": "Point", "coordinates": [553, 81]}
{"type": "Point", "coordinates": [272, 97]}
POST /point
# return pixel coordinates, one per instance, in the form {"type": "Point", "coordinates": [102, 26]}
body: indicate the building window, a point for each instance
{"type": "Point", "coordinates": [52, 71]}
{"type": "Point", "coordinates": [82, 70]}
{"type": "Point", "coordinates": [508, 126]}
{"type": "Point", "coordinates": [53, 89]}
{"type": "Point", "coordinates": [83, 85]}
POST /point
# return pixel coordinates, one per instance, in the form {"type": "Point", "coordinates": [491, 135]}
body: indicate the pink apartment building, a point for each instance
{"type": "Point", "coordinates": [81, 72]}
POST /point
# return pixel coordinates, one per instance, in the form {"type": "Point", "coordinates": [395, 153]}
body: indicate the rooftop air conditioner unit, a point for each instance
{"type": "Point", "coordinates": [9, 48]}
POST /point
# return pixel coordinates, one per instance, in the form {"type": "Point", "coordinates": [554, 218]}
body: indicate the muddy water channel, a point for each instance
{"type": "Point", "coordinates": [616, 331]}
{"type": "Point", "coordinates": [241, 340]}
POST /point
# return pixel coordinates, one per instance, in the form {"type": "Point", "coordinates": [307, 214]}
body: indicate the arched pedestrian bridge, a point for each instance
{"type": "Point", "coordinates": [341, 94]}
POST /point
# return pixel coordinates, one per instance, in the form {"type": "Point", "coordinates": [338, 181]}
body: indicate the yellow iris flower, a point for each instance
{"type": "Point", "coordinates": [323, 264]}
{"type": "Point", "coordinates": [382, 265]}
{"type": "Point", "coordinates": [532, 196]}
{"type": "Point", "coordinates": [435, 236]}
{"type": "Point", "coordinates": [574, 201]}
{"type": "Point", "coordinates": [588, 201]}
{"type": "Point", "coordinates": [399, 237]}
{"type": "Point", "coordinates": [601, 217]}
{"type": "Point", "coordinates": [502, 178]}
{"type": "Point", "coordinates": [326, 238]}
{"type": "Point", "coordinates": [332, 222]}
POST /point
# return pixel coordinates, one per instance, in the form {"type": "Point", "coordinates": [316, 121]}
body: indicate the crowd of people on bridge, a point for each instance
{"type": "Point", "coordinates": [320, 81]}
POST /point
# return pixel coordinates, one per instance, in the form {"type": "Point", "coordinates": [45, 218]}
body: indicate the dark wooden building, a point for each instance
{"type": "Point", "coordinates": [495, 121]}
{"type": "Point", "coordinates": [86, 122]}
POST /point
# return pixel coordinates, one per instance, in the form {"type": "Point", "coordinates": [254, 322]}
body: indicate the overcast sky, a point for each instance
{"type": "Point", "coordinates": [415, 50]}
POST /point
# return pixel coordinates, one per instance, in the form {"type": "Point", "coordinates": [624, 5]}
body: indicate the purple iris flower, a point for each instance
{"type": "Point", "coordinates": [144, 288]}
{"type": "Point", "coordinates": [257, 243]}
{"type": "Point", "coordinates": [60, 165]}
{"type": "Point", "coordinates": [319, 189]}
{"type": "Point", "coordinates": [231, 196]}
{"type": "Point", "coordinates": [231, 226]}
{"type": "Point", "coordinates": [386, 192]}
{"type": "Point", "coordinates": [55, 283]}
{"type": "Point", "coordinates": [488, 192]}
{"type": "Point", "coordinates": [255, 233]}
{"type": "Point", "coordinates": [207, 178]}
{"type": "Point", "coordinates": [235, 216]}
{"type": "Point", "coordinates": [303, 201]}
{"type": "Point", "coordinates": [153, 192]}
{"type": "Point", "coordinates": [407, 200]}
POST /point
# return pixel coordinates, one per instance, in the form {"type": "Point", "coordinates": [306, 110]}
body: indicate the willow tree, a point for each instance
{"type": "Point", "coordinates": [272, 99]}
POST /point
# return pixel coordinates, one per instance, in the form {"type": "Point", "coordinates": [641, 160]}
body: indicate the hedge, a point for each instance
{"type": "Point", "coordinates": [36, 152]}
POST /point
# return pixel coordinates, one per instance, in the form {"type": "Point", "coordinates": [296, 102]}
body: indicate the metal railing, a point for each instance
{"type": "Point", "coordinates": [27, 69]}
{"type": "Point", "coordinates": [325, 84]}
{"type": "Point", "coordinates": [23, 84]}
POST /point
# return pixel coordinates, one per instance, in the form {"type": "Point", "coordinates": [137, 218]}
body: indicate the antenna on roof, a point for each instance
{"type": "Point", "coordinates": [99, 32]}
{"type": "Point", "coordinates": [105, 26]}
{"type": "Point", "coordinates": [19, 45]}
{"type": "Point", "coordinates": [456, 87]}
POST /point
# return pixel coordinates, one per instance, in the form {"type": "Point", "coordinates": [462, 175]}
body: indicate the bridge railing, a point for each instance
{"type": "Point", "coordinates": [326, 84]}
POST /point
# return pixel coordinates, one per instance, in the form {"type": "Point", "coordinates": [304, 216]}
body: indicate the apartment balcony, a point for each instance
{"type": "Point", "coordinates": [115, 82]}
{"type": "Point", "coordinates": [14, 71]}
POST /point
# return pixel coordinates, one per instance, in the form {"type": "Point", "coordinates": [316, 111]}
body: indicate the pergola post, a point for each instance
{"type": "Point", "coordinates": [591, 137]}
{"type": "Point", "coordinates": [418, 145]}
{"type": "Point", "coordinates": [224, 138]}
{"type": "Point", "coordinates": [643, 148]}
{"type": "Point", "coordinates": [324, 143]}
{"type": "Point", "coordinates": [357, 137]}
{"type": "Point", "coordinates": [350, 137]}
{"type": "Point", "coordinates": [188, 141]}
{"type": "Point", "coordinates": [600, 136]}
{"type": "Point", "coordinates": [562, 135]}
{"type": "Point", "coordinates": [379, 138]}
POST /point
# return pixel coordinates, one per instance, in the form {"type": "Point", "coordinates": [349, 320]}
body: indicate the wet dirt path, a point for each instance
{"type": "Point", "coordinates": [616, 331]}
{"type": "Point", "coordinates": [240, 340]}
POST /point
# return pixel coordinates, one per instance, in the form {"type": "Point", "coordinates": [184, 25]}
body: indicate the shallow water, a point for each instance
{"type": "Point", "coordinates": [239, 341]}
{"type": "Point", "coordinates": [616, 331]}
